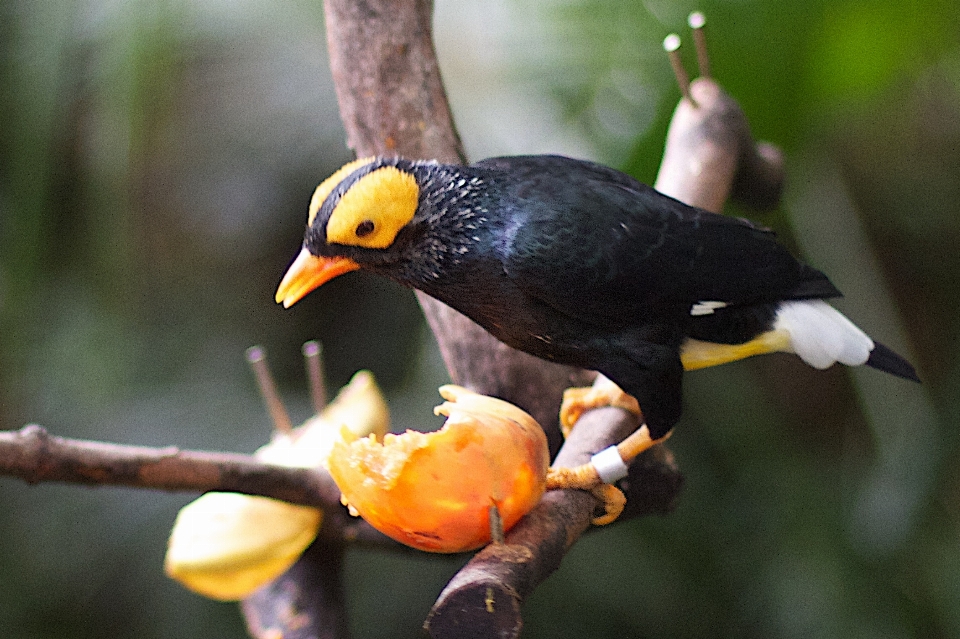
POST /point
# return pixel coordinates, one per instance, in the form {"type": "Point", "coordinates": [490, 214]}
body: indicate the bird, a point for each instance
{"type": "Point", "coordinates": [578, 263]}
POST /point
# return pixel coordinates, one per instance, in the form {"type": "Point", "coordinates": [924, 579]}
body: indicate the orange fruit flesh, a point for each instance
{"type": "Point", "coordinates": [433, 491]}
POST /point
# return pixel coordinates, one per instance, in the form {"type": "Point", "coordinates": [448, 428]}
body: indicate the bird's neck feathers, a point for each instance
{"type": "Point", "coordinates": [450, 223]}
{"type": "Point", "coordinates": [451, 197]}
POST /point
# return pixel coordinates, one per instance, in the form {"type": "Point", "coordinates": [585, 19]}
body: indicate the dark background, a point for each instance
{"type": "Point", "coordinates": [156, 159]}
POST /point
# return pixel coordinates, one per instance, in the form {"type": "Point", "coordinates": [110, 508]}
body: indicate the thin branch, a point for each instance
{"type": "Point", "coordinates": [313, 359]}
{"type": "Point", "coordinates": [34, 455]}
{"type": "Point", "coordinates": [268, 390]}
{"type": "Point", "coordinates": [671, 44]}
{"type": "Point", "coordinates": [697, 22]}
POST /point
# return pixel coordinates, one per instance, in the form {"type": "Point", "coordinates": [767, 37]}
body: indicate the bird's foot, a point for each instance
{"type": "Point", "coordinates": [577, 401]}
{"type": "Point", "coordinates": [586, 477]}
{"type": "Point", "coordinates": [607, 466]}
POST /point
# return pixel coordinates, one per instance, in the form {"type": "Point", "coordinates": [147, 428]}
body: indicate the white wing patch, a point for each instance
{"type": "Point", "coordinates": [706, 308]}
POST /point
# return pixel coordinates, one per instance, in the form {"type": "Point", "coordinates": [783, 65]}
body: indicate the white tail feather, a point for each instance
{"type": "Point", "coordinates": [820, 335]}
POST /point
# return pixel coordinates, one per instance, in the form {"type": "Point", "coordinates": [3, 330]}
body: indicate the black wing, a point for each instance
{"type": "Point", "coordinates": [597, 245]}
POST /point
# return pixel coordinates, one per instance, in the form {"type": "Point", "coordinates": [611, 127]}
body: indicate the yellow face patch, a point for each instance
{"type": "Point", "coordinates": [326, 187]}
{"type": "Point", "coordinates": [374, 209]}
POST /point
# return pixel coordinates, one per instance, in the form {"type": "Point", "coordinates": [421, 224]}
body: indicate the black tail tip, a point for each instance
{"type": "Point", "coordinates": [884, 359]}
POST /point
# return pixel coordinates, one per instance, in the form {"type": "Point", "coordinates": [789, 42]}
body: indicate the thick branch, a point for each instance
{"type": "Point", "coordinates": [392, 102]}
{"type": "Point", "coordinates": [704, 146]}
{"type": "Point", "coordinates": [391, 98]}
{"type": "Point", "coordinates": [284, 608]}
{"type": "Point", "coordinates": [486, 595]}
{"type": "Point", "coordinates": [389, 87]}
{"type": "Point", "coordinates": [710, 155]}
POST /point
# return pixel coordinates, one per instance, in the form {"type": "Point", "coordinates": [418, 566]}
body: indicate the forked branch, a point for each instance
{"type": "Point", "coordinates": [392, 103]}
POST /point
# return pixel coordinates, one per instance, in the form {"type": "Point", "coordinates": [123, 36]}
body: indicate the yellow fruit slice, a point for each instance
{"type": "Point", "coordinates": [226, 545]}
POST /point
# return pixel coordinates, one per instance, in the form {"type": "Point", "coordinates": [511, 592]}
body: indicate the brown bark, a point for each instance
{"type": "Point", "coordinates": [35, 456]}
{"type": "Point", "coordinates": [392, 102]}
{"type": "Point", "coordinates": [710, 155]}
{"type": "Point", "coordinates": [285, 608]}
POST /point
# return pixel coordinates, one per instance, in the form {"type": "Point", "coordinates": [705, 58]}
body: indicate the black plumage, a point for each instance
{"type": "Point", "coordinates": [573, 262]}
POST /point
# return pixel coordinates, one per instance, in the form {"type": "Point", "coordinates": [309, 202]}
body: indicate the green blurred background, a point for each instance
{"type": "Point", "coordinates": [156, 159]}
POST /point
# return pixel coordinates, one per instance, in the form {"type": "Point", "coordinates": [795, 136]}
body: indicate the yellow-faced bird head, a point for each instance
{"type": "Point", "coordinates": [369, 214]}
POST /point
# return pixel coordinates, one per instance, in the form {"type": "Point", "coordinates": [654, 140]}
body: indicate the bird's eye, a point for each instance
{"type": "Point", "coordinates": [373, 209]}
{"type": "Point", "coordinates": [364, 228]}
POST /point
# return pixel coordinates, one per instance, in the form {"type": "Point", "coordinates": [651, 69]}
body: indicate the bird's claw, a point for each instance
{"type": "Point", "coordinates": [585, 477]}
{"type": "Point", "coordinates": [613, 501]}
{"type": "Point", "coordinates": [577, 401]}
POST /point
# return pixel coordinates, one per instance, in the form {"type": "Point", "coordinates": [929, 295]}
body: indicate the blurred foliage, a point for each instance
{"type": "Point", "coordinates": [155, 165]}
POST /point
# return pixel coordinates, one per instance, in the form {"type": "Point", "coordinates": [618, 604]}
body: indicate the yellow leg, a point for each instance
{"type": "Point", "coordinates": [638, 442]}
{"type": "Point", "coordinates": [576, 401]}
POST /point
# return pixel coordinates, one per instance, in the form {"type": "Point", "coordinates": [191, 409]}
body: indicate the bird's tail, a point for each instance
{"type": "Point", "coordinates": [821, 336]}
{"type": "Point", "coordinates": [884, 359]}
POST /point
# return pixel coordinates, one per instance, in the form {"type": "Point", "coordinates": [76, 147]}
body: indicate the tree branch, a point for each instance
{"type": "Point", "coordinates": [710, 155]}
{"type": "Point", "coordinates": [392, 102]}
{"type": "Point", "coordinates": [486, 595]}
{"type": "Point", "coordinates": [284, 608]}
{"type": "Point", "coordinates": [34, 455]}
{"type": "Point", "coordinates": [314, 612]}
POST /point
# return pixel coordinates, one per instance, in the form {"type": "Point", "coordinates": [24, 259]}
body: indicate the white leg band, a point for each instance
{"type": "Point", "coordinates": [609, 465]}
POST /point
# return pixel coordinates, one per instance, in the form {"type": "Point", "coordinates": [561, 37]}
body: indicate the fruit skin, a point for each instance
{"type": "Point", "coordinates": [226, 545]}
{"type": "Point", "coordinates": [580, 264]}
{"type": "Point", "coordinates": [433, 491]}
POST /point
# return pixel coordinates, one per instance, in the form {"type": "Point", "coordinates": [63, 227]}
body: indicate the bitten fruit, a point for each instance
{"type": "Point", "coordinates": [433, 491]}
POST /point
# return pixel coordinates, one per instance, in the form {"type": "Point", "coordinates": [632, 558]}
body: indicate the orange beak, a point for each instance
{"type": "Point", "coordinates": [307, 273]}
